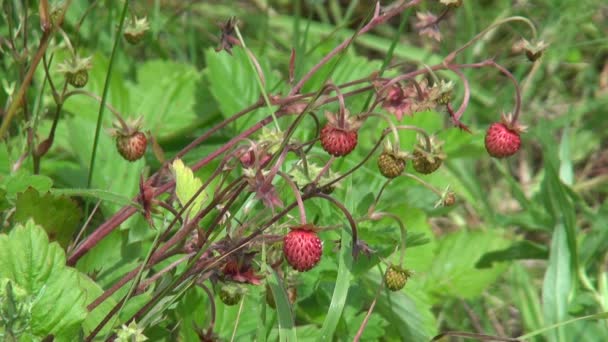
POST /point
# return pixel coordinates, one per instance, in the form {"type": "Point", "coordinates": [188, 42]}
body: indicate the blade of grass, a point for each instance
{"type": "Point", "coordinates": [104, 96]}
{"type": "Point", "coordinates": [338, 299]}
{"type": "Point", "coordinates": [287, 330]}
{"type": "Point", "coordinates": [103, 195]}
{"type": "Point", "coordinates": [557, 283]}
{"type": "Point", "coordinates": [602, 315]}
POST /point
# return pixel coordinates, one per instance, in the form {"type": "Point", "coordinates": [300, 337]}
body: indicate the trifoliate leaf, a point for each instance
{"type": "Point", "coordinates": [186, 186]}
{"type": "Point", "coordinates": [45, 291]}
{"type": "Point", "coordinates": [58, 215]}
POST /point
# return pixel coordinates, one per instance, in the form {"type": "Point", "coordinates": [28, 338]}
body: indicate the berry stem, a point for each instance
{"type": "Point", "coordinates": [342, 111]}
{"type": "Point", "coordinates": [348, 215]}
{"type": "Point", "coordinates": [402, 230]}
{"type": "Point", "coordinates": [425, 135]}
{"type": "Point", "coordinates": [324, 170]}
{"type": "Point", "coordinates": [377, 199]}
{"type": "Point", "coordinates": [376, 20]}
{"type": "Point", "coordinates": [391, 125]}
{"type": "Point", "coordinates": [68, 43]}
{"type": "Point", "coordinates": [298, 196]}
{"type": "Point", "coordinates": [510, 76]}
{"type": "Point", "coordinates": [255, 65]}
{"type": "Point", "coordinates": [113, 110]}
{"type": "Point", "coordinates": [104, 96]}
{"type": "Point", "coordinates": [450, 58]}
{"type": "Point", "coordinates": [425, 184]}
{"type": "Point", "coordinates": [467, 92]}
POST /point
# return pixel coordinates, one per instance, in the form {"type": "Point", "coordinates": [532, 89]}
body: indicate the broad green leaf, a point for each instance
{"type": "Point", "coordinates": [58, 215]}
{"type": "Point", "coordinates": [557, 283]}
{"type": "Point", "coordinates": [58, 304]}
{"type": "Point", "coordinates": [165, 95]}
{"type": "Point", "coordinates": [408, 311]}
{"type": "Point", "coordinates": [186, 186]}
{"type": "Point", "coordinates": [21, 181]}
{"type": "Point", "coordinates": [453, 272]}
{"type": "Point", "coordinates": [234, 84]}
{"type": "Point", "coordinates": [92, 290]}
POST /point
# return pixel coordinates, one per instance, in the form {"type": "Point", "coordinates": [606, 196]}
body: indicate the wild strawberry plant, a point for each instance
{"type": "Point", "coordinates": [286, 192]}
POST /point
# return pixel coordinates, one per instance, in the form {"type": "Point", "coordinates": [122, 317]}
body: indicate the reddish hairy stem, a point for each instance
{"type": "Point", "coordinates": [376, 20]}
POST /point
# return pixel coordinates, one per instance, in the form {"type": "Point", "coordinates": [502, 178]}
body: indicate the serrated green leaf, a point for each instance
{"type": "Point", "coordinates": [38, 267]}
{"type": "Point", "coordinates": [453, 272]}
{"type": "Point", "coordinates": [58, 215]}
{"type": "Point", "coordinates": [21, 181]}
{"type": "Point", "coordinates": [186, 186]}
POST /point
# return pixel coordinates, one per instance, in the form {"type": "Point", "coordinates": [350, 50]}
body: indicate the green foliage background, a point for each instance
{"type": "Point", "coordinates": [524, 249]}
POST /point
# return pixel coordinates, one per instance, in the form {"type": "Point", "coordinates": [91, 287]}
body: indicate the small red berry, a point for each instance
{"type": "Point", "coordinates": [132, 147]}
{"type": "Point", "coordinates": [302, 248]}
{"type": "Point", "coordinates": [338, 142]}
{"type": "Point", "coordinates": [502, 141]}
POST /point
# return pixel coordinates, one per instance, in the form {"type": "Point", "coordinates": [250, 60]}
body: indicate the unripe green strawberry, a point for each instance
{"type": "Point", "coordinates": [302, 248]}
{"type": "Point", "coordinates": [78, 79]}
{"type": "Point", "coordinates": [230, 294]}
{"type": "Point", "coordinates": [428, 154]}
{"type": "Point", "coordinates": [390, 164]}
{"type": "Point", "coordinates": [76, 71]}
{"type": "Point", "coordinates": [423, 165]}
{"type": "Point", "coordinates": [132, 147]}
{"type": "Point", "coordinates": [136, 30]}
{"type": "Point", "coordinates": [396, 277]}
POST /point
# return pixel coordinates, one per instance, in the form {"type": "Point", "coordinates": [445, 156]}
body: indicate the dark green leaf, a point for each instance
{"type": "Point", "coordinates": [519, 250]}
{"type": "Point", "coordinates": [59, 215]}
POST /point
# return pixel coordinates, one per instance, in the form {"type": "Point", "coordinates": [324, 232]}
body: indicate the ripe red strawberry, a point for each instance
{"type": "Point", "coordinates": [132, 147]}
{"type": "Point", "coordinates": [302, 248]}
{"type": "Point", "coordinates": [396, 277]}
{"type": "Point", "coordinates": [339, 137]}
{"type": "Point", "coordinates": [502, 139]}
{"type": "Point", "coordinates": [338, 142]}
{"type": "Point", "coordinates": [390, 164]}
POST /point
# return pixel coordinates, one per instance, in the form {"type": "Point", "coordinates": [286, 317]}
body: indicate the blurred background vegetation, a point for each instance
{"type": "Point", "coordinates": [526, 246]}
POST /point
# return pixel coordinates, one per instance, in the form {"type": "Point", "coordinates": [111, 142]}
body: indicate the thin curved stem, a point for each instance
{"type": "Point", "coordinates": [467, 92]}
{"type": "Point", "coordinates": [425, 135]}
{"type": "Point", "coordinates": [391, 126]}
{"type": "Point", "coordinates": [298, 196]}
{"type": "Point", "coordinates": [425, 184]}
{"type": "Point", "coordinates": [450, 58]}
{"type": "Point", "coordinates": [104, 96]}
{"type": "Point", "coordinates": [342, 112]}
{"type": "Point", "coordinates": [352, 222]}
{"type": "Point", "coordinates": [99, 99]}
{"type": "Point", "coordinates": [402, 230]}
